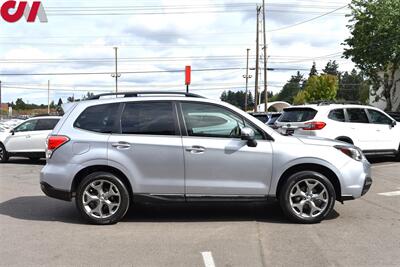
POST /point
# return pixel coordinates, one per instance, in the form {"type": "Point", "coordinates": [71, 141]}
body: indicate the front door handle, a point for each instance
{"type": "Point", "coordinates": [28, 136]}
{"type": "Point", "coordinates": [196, 149]}
{"type": "Point", "coordinates": [121, 145]}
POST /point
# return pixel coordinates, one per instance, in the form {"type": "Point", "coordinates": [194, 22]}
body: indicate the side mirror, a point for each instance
{"type": "Point", "coordinates": [394, 123]}
{"type": "Point", "coordinates": [248, 135]}
{"type": "Point", "coordinates": [12, 132]}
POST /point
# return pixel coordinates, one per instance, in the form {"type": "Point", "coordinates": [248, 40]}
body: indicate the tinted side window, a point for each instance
{"type": "Point", "coordinates": [212, 121]}
{"type": "Point", "coordinates": [337, 115]}
{"type": "Point", "coordinates": [357, 115]}
{"type": "Point", "coordinates": [378, 117]}
{"type": "Point", "coordinates": [153, 118]}
{"type": "Point", "coordinates": [46, 124]}
{"type": "Point", "coordinates": [26, 126]}
{"type": "Point", "coordinates": [99, 118]}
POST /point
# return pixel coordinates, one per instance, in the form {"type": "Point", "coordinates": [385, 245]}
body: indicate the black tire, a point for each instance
{"type": "Point", "coordinates": [3, 154]}
{"type": "Point", "coordinates": [123, 198]}
{"type": "Point", "coordinates": [346, 140]}
{"type": "Point", "coordinates": [300, 178]}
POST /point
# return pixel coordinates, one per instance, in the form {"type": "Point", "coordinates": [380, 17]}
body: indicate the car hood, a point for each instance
{"type": "Point", "coordinates": [319, 141]}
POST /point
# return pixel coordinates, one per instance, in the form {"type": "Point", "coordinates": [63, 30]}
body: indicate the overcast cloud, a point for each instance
{"type": "Point", "coordinates": [166, 42]}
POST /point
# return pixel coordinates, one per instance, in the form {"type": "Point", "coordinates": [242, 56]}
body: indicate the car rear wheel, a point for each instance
{"type": "Point", "coordinates": [3, 154]}
{"type": "Point", "coordinates": [102, 198]}
{"type": "Point", "coordinates": [307, 197]}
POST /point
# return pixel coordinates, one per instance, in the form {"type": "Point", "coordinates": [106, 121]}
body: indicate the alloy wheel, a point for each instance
{"type": "Point", "coordinates": [309, 198]}
{"type": "Point", "coordinates": [101, 199]}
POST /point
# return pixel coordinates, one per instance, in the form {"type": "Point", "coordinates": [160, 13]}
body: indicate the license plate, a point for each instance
{"type": "Point", "coordinates": [290, 131]}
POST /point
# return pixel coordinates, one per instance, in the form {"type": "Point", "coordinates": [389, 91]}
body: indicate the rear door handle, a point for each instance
{"type": "Point", "coordinates": [121, 145]}
{"type": "Point", "coordinates": [196, 149]}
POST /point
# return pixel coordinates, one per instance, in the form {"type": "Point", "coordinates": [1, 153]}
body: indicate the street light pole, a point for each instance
{"type": "Point", "coordinates": [48, 97]}
{"type": "Point", "coordinates": [257, 60]}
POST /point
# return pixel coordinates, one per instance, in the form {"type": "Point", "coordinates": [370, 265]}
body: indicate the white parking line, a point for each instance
{"type": "Point", "coordinates": [208, 259]}
{"type": "Point", "coordinates": [384, 165]}
{"type": "Point", "coordinates": [390, 194]}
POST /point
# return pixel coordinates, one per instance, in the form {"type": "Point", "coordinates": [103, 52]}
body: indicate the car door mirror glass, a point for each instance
{"type": "Point", "coordinates": [248, 134]}
{"type": "Point", "coordinates": [394, 123]}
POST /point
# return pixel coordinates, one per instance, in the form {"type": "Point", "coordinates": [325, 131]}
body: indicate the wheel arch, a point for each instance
{"type": "Point", "coordinates": [100, 168]}
{"type": "Point", "coordinates": [311, 167]}
{"type": "Point", "coordinates": [345, 139]}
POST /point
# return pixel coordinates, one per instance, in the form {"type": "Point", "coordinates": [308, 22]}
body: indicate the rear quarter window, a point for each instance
{"type": "Point", "coordinates": [98, 119]}
{"type": "Point", "coordinates": [298, 115]}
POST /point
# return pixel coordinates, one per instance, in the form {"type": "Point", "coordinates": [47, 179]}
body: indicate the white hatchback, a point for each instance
{"type": "Point", "coordinates": [28, 139]}
{"type": "Point", "coordinates": [368, 128]}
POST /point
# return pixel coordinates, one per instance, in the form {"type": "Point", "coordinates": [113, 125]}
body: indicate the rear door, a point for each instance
{"type": "Point", "coordinates": [362, 133]}
{"type": "Point", "coordinates": [42, 130]}
{"type": "Point", "coordinates": [149, 146]}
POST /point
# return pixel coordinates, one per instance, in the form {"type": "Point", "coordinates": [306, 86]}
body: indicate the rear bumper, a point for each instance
{"type": "Point", "coordinates": [55, 193]}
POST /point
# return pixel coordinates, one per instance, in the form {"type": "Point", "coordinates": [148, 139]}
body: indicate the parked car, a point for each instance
{"type": "Point", "coordinates": [395, 115]}
{"type": "Point", "coordinates": [262, 116]}
{"type": "Point", "coordinates": [109, 152]}
{"type": "Point", "coordinates": [368, 128]}
{"type": "Point", "coordinates": [28, 139]}
{"type": "Point", "coordinates": [273, 117]}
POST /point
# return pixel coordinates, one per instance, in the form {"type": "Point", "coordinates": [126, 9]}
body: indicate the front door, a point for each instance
{"type": "Point", "coordinates": [217, 161]}
{"type": "Point", "coordinates": [21, 138]}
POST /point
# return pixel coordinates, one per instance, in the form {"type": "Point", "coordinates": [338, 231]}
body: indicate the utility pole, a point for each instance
{"type": "Point", "coordinates": [116, 75]}
{"type": "Point", "coordinates": [247, 77]}
{"type": "Point", "coordinates": [257, 59]}
{"type": "Point", "coordinates": [265, 61]}
{"type": "Point", "coordinates": [48, 97]}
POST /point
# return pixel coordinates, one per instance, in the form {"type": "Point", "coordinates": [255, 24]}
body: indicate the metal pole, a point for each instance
{"type": "Point", "coordinates": [48, 97]}
{"type": "Point", "coordinates": [265, 61]}
{"type": "Point", "coordinates": [257, 61]}
{"type": "Point", "coordinates": [247, 81]}
{"type": "Point", "coordinates": [116, 69]}
{"type": "Point", "coordinates": [187, 88]}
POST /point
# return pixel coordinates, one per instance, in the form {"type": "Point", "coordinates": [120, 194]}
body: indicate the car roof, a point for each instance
{"type": "Point", "coordinates": [330, 107]}
{"type": "Point", "coordinates": [44, 117]}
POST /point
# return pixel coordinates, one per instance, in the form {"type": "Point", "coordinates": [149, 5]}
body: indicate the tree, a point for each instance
{"type": "Point", "coordinates": [291, 88]}
{"type": "Point", "coordinates": [88, 96]}
{"type": "Point", "coordinates": [313, 70]}
{"type": "Point", "coordinates": [60, 102]}
{"type": "Point", "coordinates": [322, 87]}
{"type": "Point", "coordinates": [374, 44]}
{"type": "Point", "coordinates": [71, 99]}
{"type": "Point", "coordinates": [353, 87]}
{"type": "Point", "coordinates": [332, 68]}
{"type": "Point", "coordinates": [20, 104]}
{"type": "Point", "coordinates": [237, 99]}
{"type": "Point", "coordinates": [52, 105]}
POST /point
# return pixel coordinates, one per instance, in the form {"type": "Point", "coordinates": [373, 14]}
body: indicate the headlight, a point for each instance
{"type": "Point", "coordinates": [352, 152]}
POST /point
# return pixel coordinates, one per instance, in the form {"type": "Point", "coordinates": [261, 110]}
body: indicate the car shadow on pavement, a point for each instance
{"type": "Point", "coordinates": [23, 161]}
{"type": "Point", "coordinates": [41, 208]}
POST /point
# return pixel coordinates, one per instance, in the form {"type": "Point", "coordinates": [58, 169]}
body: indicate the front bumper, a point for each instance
{"type": "Point", "coordinates": [55, 193]}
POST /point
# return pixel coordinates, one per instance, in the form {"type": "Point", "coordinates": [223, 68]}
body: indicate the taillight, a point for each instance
{"type": "Point", "coordinates": [315, 125]}
{"type": "Point", "coordinates": [54, 142]}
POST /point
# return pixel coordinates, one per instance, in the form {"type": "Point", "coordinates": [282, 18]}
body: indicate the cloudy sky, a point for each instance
{"type": "Point", "coordinates": [157, 38]}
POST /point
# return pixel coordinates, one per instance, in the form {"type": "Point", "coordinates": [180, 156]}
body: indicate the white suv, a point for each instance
{"type": "Point", "coordinates": [368, 128]}
{"type": "Point", "coordinates": [28, 139]}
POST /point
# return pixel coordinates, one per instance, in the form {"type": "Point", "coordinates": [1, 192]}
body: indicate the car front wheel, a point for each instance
{"type": "Point", "coordinates": [307, 197]}
{"type": "Point", "coordinates": [102, 198]}
{"type": "Point", "coordinates": [3, 154]}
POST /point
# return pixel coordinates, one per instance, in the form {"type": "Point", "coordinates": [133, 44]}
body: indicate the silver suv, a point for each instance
{"type": "Point", "coordinates": [110, 152]}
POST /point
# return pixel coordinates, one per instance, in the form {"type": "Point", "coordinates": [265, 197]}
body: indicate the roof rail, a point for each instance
{"type": "Point", "coordinates": [333, 102]}
{"type": "Point", "coordinates": [138, 93]}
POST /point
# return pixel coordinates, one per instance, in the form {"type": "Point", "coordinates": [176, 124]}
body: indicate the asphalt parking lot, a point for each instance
{"type": "Point", "coordinates": [39, 231]}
